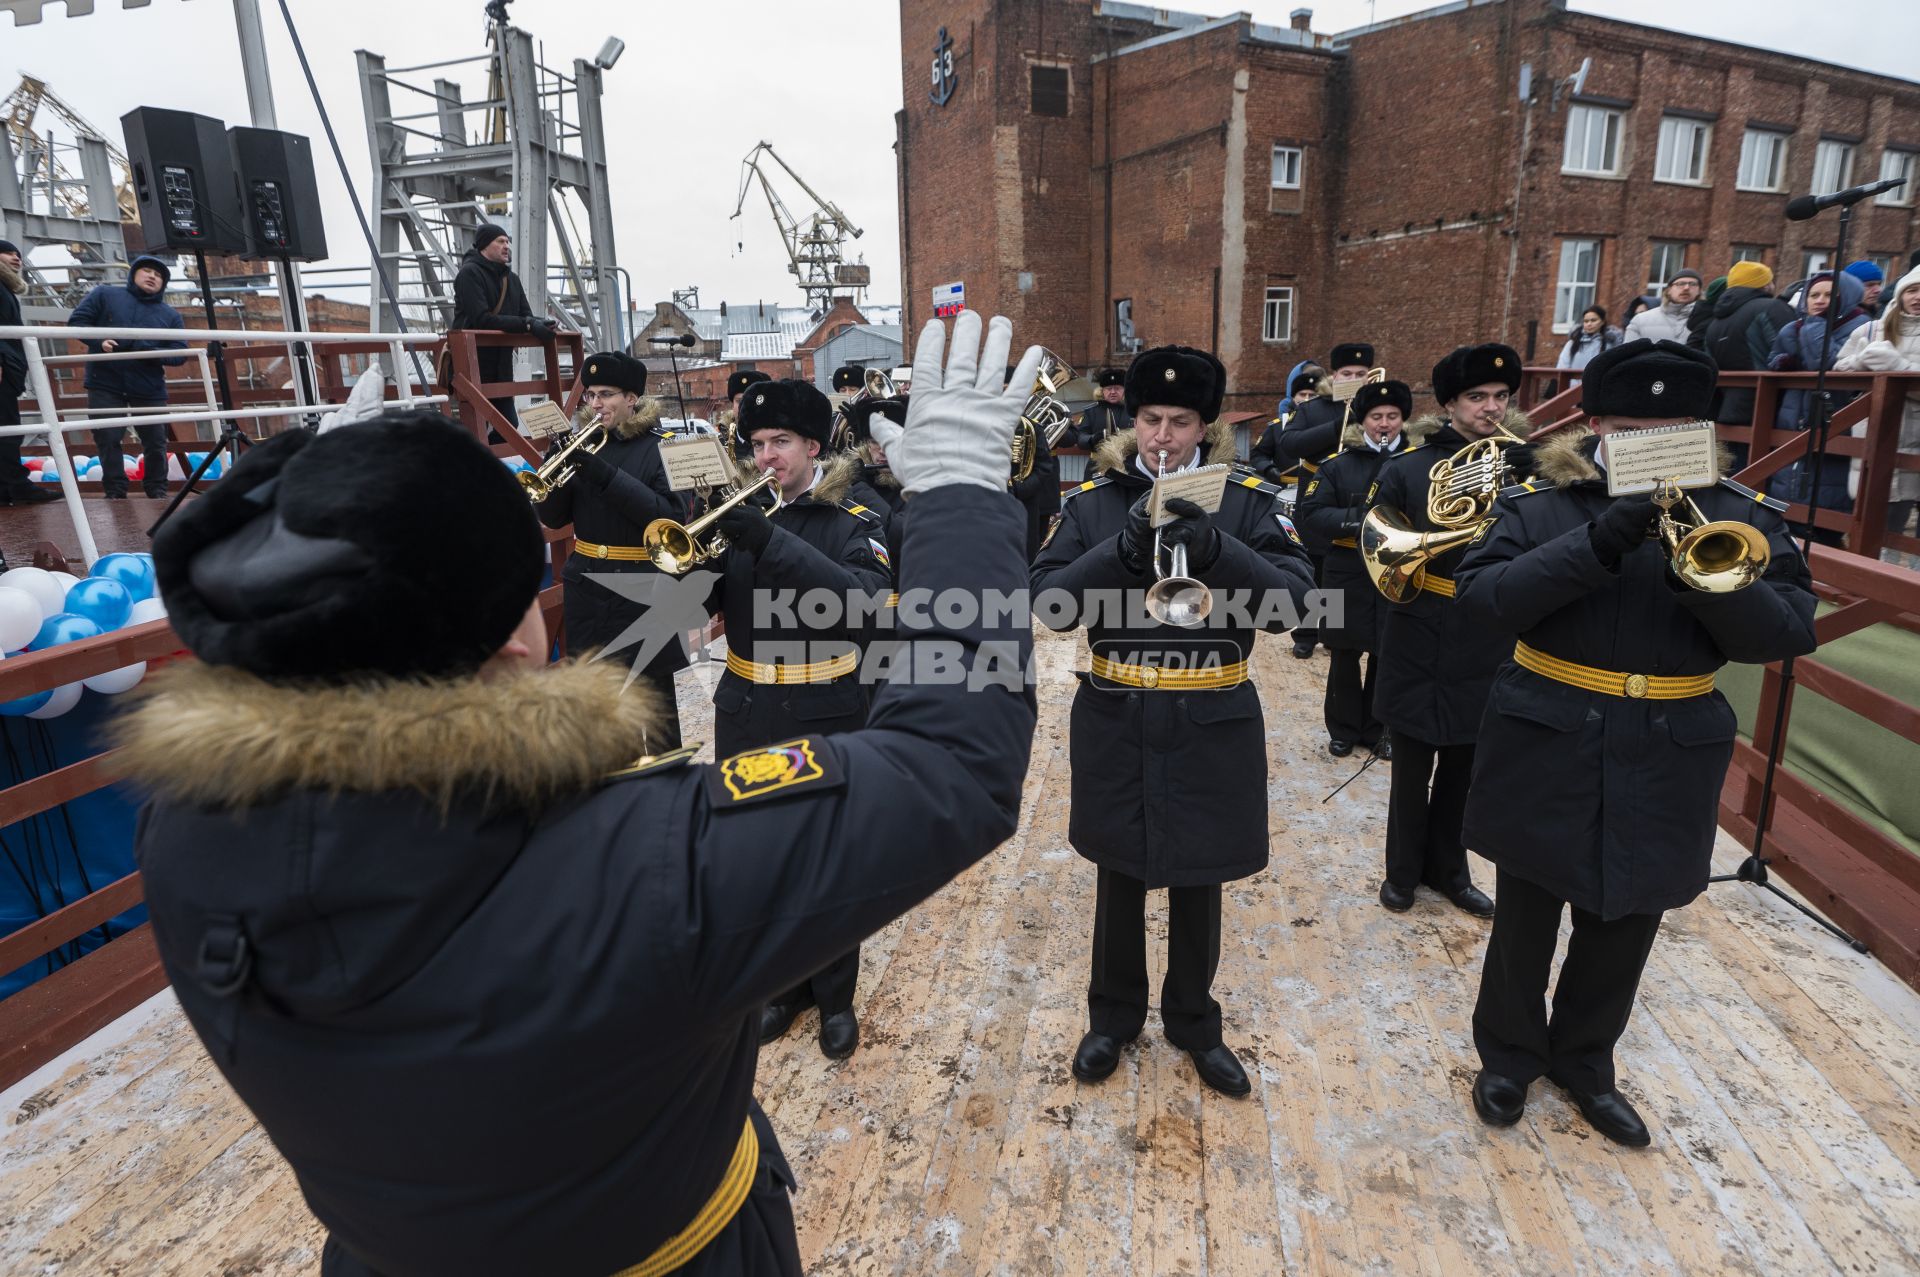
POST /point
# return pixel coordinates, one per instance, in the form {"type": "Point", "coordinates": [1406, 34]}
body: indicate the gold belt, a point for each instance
{"type": "Point", "coordinates": [715, 1215]}
{"type": "Point", "coordinates": [893, 600]}
{"type": "Point", "coordinates": [1655, 687]}
{"type": "Point", "coordinates": [1348, 542]}
{"type": "Point", "coordinates": [621, 553]}
{"type": "Point", "coordinates": [1434, 583]}
{"type": "Point", "coordinates": [1154, 677]}
{"type": "Point", "coordinates": [815, 672]}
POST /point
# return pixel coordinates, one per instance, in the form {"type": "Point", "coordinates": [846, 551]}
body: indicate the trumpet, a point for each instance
{"type": "Point", "coordinates": [1716, 558]}
{"type": "Point", "coordinates": [676, 547]}
{"type": "Point", "coordinates": [1175, 598]}
{"type": "Point", "coordinates": [1059, 395]}
{"type": "Point", "coordinates": [556, 471]}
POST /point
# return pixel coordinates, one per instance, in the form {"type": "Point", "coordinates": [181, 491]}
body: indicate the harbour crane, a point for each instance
{"type": "Point", "coordinates": [813, 240]}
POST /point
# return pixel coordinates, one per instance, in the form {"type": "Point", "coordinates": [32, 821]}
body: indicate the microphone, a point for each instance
{"type": "Point", "coordinates": [686, 339]}
{"type": "Point", "coordinates": [1801, 207]}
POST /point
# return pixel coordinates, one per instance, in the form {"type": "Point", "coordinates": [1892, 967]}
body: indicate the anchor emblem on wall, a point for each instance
{"type": "Point", "coordinates": [943, 77]}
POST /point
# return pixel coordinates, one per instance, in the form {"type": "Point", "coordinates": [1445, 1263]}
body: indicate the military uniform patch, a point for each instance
{"type": "Point", "coordinates": [1286, 526]}
{"type": "Point", "coordinates": [1486, 526]}
{"type": "Point", "coordinates": [772, 771]}
{"type": "Point", "coordinates": [1312, 486]}
{"type": "Point", "coordinates": [1053, 526]}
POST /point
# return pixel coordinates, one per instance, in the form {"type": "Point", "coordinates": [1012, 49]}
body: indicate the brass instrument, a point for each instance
{"type": "Point", "coordinates": [675, 547]}
{"type": "Point", "coordinates": [1460, 491]}
{"type": "Point", "coordinates": [1718, 557]}
{"type": "Point", "coordinates": [1059, 395]}
{"type": "Point", "coordinates": [1395, 552]}
{"type": "Point", "coordinates": [555, 472]}
{"type": "Point", "coordinates": [1374, 377]}
{"type": "Point", "coordinates": [1175, 598]}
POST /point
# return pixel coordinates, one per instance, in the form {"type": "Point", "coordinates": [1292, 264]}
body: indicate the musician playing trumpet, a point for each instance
{"type": "Point", "coordinates": [1597, 783]}
{"type": "Point", "coordinates": [615, 492]}
{"type": "Point", "coordinates": [1169, 785]}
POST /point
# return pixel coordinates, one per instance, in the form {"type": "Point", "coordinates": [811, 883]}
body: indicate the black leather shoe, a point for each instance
{"type": "Point", "coordinates": [1398, 899]}
{"type": "Point", "coordinates": [1383, 750]}
{"type": "Point", "coordinates": [28, 495]}
{"type": "Point", "coordinates": [157, 493]}
{"type": "Point", "coordinates": [776, 1018]}
{"type": "Point", "coordinates": [839, 1034]}
{"type": "Point", "coordinates": [115, 496]}
{"type": "Point", "coordinates": [1611, 1115]}
{"type": "Point", "coordinates": [1339, 748]}
{"type": "Point", "coordinates": [1220, 1069]}
{"type": "Point", "coordinates": [1097, 1057]}
{"type": "Point", "coordinates": [1303, 650]}
{"type": "Point", "coordinates": [1498, 1100]}
{"type": "Point", "coordinates": [1470, 899]}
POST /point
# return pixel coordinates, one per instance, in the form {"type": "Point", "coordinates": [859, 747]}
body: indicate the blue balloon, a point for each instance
{"type": "Point", "coordinates": [25, 705]}
{"type": "Point", "coordinates": [129, 570]}
{"type": "Point", "coordinates": [63, 627]}
{"type": "Point", "coordinates": [102, 601]}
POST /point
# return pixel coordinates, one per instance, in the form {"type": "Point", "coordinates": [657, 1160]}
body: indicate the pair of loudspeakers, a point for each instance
{"type": "Point", "coordinates": [203, 187]}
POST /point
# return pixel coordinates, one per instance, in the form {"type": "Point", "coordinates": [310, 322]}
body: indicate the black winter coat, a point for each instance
{"type": "Point", "coordinates": [1170, 787]}
{"type": "Point", "coordinates": [477, 304]}
{"type": "Point", "coordinates": [13, 355]}
{"type": "Point", "coordinates": [1740, 339]}
{"type": "Point", "coordinates": [1435, 664]}
{"type": "Point", "coordinates": [1312, 432]}
{"type": "Point", "coordinates": [1100, 423]}
{"type": "Point", "coordinates": [1329, 514]}
{"type": "Point", "coordinates": [1610, 802]}
{"type": "Point", "coordinates": [498, 1008]}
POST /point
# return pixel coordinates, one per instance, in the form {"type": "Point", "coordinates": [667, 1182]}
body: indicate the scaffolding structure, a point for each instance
{"type": "Point", "coordinates": [73, 194]}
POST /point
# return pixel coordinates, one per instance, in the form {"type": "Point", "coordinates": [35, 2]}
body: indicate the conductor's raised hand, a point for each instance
{"type": "Point", "coordinates": [962, 409]}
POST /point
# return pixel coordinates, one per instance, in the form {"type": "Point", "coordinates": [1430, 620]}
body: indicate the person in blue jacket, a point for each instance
{"type": "Point", "coordinates": [115, 386]}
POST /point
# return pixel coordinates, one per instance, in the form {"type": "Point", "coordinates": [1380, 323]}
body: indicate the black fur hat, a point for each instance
{"type": "Point", "coordinates": [860, 416]}
{"type": "Point", "coordinates": [398, 546]}
{"type": "Point", "coordinates": [611, 368]}
{"type": "Point", "coordinates": [1110, 377]}
{"type": "Point", "coordinates": [1470, 366]}
{"type": "Point", "coordinates": [1308, 379]}
{"type": "Point", "coordinates": [1652, 380]}
{"type": "Point", "coordinates": [739, 381]}
{"type": "Point", "coordinates": [1382, 394]}
{"type": "Point", "coordinates": [1177, 377]}
{"type": "Point", "coordinates": [847, 377]}
{"type": "Point", "coordinates": [789, 404]}
{"type": "Point", "coordinates": [1351, 352]}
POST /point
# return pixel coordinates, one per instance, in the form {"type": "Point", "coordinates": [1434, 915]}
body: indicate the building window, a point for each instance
{"type": "Point", "coordinates": [1886, 263]}
{"type": "Point", "coordinates": [1669, 257]}
{"type": "Point", "coordinates": [1683, 151]}
{"type": "Point", "coordinates": [1049, 91]}
{"type": "Point", "coordinates": [1896, 164]}
{"type": "Point", "coordinates": [1813, 261]}
{"type": "Point", "coordinates": [1276, 317]}
{"type": "Point", "coordinates": [1593, 141]}
{"type": "Point", "coordinates": [1832, 167]}
{"type": "Point", "coordinates": [1763, 160]}
{"type": "Point", "coordinates": [1750, 253]}
{"type": "Point", "coordinates": [1579, 279]}
{"type": "Point", "coordinates": [1286, 168]}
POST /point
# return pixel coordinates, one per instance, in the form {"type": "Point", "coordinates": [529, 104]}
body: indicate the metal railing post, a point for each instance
{"type": "Point", "coordinates": [57, 445]}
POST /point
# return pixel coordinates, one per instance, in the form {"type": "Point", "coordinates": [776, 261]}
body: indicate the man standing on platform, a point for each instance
{"type": "Point", "coordinates": [487, 296]}
{"type": "Point", "coordinates": [1597, 782]}
{"type": "Point", "coordinates": [1169, 786]}
{"type": "Point", "coordinates": [15, 487]}
{"type": "Point", "coordinates": [121, 387]}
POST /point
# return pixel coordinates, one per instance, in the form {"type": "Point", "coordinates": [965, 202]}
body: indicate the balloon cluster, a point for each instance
{"type": "Point", "coordinates": [41, 609]}
{"type": "Point", "coordinates": [42, 470]}
{"type": "Point", "coordinates": [516, 463]}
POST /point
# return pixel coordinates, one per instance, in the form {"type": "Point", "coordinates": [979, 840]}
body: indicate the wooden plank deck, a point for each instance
{"type": "Point", "coordinates": [1779, 1071]}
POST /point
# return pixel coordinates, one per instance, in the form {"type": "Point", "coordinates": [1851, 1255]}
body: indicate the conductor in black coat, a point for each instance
{"type": "Point", "coordinates": [487, 295]}
{"type": "Point", "coordinates": [1435, 664]}
{"type": "Point", "coordinates": [1329, 515]}
{"type": "Point", "coordinates": [1169, 783]}
{"type": "Point", "coordinates": [609, 582]}
{"type": "Point", "coordinates": [1609, 692]}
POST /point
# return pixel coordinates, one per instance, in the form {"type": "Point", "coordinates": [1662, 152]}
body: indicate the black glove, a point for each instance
{"type": "Point", "coordinates": [597, 470]}
{"type": "Point", "coordinates": [1620, 527]}
{"type": "Point", "coordinates": [1193, 529]}
{"type": "Point", "coordinates": [746, 526]}
{"type": "Point", "coordinates": [1136, 538]}
{"type": "Point", "coordinates": [544, 329]}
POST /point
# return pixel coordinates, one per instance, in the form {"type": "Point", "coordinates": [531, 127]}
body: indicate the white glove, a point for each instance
{"type": "Point", "coordinates": [960, 420]}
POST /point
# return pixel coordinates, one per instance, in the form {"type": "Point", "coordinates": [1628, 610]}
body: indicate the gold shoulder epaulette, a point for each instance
{"type": "Point", "coordinates": [1099, 481]}
{"type": "Point", "coordinates": [1522, 489]}
{"type": "Point", "coordinates": [661, 432]}
{"type": "Point", "coordinates": [647, 764]}
{"type": "Point", "coordinates": [1770, 502]}
{"type": "Point", "coordinates": [1248, 479]}
{"type": "Point", "coordinates": [859, 511]}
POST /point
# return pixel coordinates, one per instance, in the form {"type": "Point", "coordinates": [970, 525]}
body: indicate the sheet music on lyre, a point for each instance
{"type": "Point", "coordinates": [1686, 455]}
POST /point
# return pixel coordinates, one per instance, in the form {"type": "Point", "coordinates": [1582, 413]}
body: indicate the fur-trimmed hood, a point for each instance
{"type": "Point", "coordinates": [646, 415]}
{"type": "Point", "coordinates": [218, 736]}
{"type": "Point", "coordinates": [1116, 452]}
{"type": "Point", "coordinates": [1565, 457]}
{"type": "Point", "coordinates": [1426, 425]}
{"type": "Point", "coordinates": [838, 471]}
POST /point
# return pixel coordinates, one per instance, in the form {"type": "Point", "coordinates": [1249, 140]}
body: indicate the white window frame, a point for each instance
{"type": "Point", "coordinates": [1571, 296]}
{"type": "Point", "coordinates": [1815, 260]}
{"type": "Point", "coordinates": [1581, 118]}
{"type": "Point", "coordinates": [1832, 166]}
{"type": "Point", "coordinates": [1296, 160]}
{"type": "Point", "coordinates": [1895, 162]}
{"type": "Point", "coordinates": [1778, 144]}
{"type": "Point", "coordinates": [1276, 314]}
{"type": "Point", "coordinates": [1749, 253]}
{"type": "Point", "coordinates": [1660, 277]}
{"type": "Point", "coordinates": [1686, 146]}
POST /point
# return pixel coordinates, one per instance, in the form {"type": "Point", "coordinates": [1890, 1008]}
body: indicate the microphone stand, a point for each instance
{"type": "Point", "coordinates": [673, 361]}
{"type": "Point", "coordinates": [1754, 868]}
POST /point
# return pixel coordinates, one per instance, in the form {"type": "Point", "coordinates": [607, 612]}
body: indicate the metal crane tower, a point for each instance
{"type": "Point", "coordinates": [813, 244]}
{"type": "Point", "coordinates": [43, 202]}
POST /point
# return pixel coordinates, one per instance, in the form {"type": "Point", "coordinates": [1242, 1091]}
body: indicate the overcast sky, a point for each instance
{"type": "Point", "coordinates": [699, 85]}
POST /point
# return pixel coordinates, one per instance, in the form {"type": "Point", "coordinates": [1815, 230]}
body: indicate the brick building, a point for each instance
{"type": "Point", "coordinates": [1110, 175]}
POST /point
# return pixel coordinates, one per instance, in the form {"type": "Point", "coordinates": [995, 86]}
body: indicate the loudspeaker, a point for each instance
{"type": "Point", "coordinates": [278, 195]}
{"type": "Point", "coordinates": [183, 179]}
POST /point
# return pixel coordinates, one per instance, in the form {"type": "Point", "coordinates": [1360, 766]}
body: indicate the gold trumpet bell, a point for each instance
{"type": "Point", "coordinates": [1719, 557]}
{"type": "Point", "coordinates": [676, 547]}
{"type": "Point", "coordinates": [1395, 552]}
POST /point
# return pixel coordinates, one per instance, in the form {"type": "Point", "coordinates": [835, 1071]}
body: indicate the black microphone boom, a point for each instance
{"type": "Point", "coordinates": [1801, 207]}
{"type": "Point", "coordinates": [683, 339]}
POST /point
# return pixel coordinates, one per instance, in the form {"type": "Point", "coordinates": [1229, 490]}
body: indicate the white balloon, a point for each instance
{"type": "Point", "coordinates": [173, 468]}
{"type": "Point", "coordinates": [67, 581]}
{"type": "Point", "coordinates": [146, 610]}
{"type": "Point", "coordinates": [64, 698]}
{"type": "Point", "coordinates": [48, 593]}
{"type": "Point", "coordinates": [123, 679]}
{"type": "Point", "coordinates": [19, 618]}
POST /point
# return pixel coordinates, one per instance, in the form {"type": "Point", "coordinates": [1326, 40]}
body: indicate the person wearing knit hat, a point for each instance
{"type": "Point", "coordinates": [15, 487]}
{"type": "Point", "coordinates": [1739, 335]}
{"type": "Point", "coordinates": [487, 296]}
{"type": "Point", "coordinates": [1872, 281]}
{"type": "Point", "coordinates": [487, 972]}
{"type": "Point", "coordinates": [1596, 786]}
{"type": "Point", "coordinates": [122, 389]}
{"type": "Point", "coordinates": [1668, 320]}
{"type": "Point", "coordinates": [1891, 343]}
{"type": "Point", "coordinates": [1749, 274]}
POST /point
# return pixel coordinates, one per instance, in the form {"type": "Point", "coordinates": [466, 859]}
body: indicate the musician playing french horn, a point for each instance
{"type": "Point", "coordinates": [1435, 668]}
{"type": "Point", "coordinates": [1597, 783]}
{"type": "Point", "coordinates": [615, 491]}
{"type": "Point", "coordinates": [1169, 782]}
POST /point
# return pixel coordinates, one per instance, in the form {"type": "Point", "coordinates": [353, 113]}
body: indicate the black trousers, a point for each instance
{"type": "Point", "coordinates": [1425, 809]}
{"type": "Point", "coordinates": [1117, 993]}
{"type": "Point", "coordinates": [1349, 704]}
{"type": "Point", "coordinates": [153, 445]}
{"type": "Point", "coordinates": [13, 473]}
{"type": "Point", "coordinates": [1591, 1002]}
{"type": "Point", "coordinates": [830, 988]}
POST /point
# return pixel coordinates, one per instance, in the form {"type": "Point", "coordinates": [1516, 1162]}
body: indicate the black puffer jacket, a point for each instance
{"type": "Point", "coordinates": [1740, 339]}
{"type": "Point", "coordinates": [1329, 513]}
{"type": "Point", "coordinates": [477, 293]}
